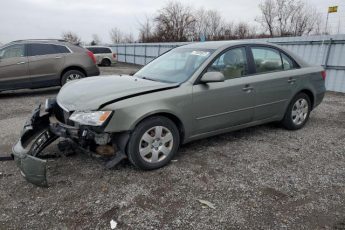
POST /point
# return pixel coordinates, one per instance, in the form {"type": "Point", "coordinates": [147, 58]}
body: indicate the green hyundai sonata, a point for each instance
{"type": "Point", "coordinates": [191, 92]}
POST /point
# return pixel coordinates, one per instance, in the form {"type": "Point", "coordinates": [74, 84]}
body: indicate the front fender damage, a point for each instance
{"type": "Point", "coordinates": [41, 130]}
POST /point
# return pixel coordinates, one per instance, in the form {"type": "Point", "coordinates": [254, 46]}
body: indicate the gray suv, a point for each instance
{"type": "Point", "coordinates": [43, 63]}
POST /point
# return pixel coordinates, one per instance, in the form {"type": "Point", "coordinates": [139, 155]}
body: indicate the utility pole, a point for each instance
{"type": "Point", "coordinates": [331, 9]}
{"type": "Point", "coordinates": [326, 23]}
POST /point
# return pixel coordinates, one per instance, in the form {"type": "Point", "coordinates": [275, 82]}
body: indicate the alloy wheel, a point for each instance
{"type": "Point", "coordinates": [73, 76]}
{"type": "Point", "coordinates": [299, 111]}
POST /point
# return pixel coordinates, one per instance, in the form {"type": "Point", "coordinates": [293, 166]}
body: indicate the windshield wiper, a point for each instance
{"type": "Point", "coordinates": [151, 79]}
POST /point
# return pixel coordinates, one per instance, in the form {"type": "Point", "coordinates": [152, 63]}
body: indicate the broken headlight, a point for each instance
{"type": "Point", "coordinates": [94, 118]}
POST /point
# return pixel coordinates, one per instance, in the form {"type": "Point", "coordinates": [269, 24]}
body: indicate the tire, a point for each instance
{"type": "Point", "coordinates": [105, 62]}
{"type": "Point", "coordinates": [297, 114]}
{"type": "Point", "coordinates": [156, 150]}
{"type": "Point", "coordinates": [71, 75]}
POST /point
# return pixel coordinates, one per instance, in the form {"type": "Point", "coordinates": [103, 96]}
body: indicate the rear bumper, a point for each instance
{"type": "Point", "coordinates": [92, 71]}
{"type": "Point", "coordinates": [318, 99]}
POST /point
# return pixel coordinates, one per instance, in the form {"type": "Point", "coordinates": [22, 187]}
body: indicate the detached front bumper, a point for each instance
{"type": "Point", "coordinates": [35, 137]}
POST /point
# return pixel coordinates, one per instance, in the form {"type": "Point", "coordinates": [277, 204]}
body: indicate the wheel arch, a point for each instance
{"type": "Point", "coordinates": [107, 58]}
{"type": "Point", "coordinates": [72, 68]}
{"type": "Point", "coordinates": [174, 118]}
{"type": "Point", "coordinates": [310, 94]}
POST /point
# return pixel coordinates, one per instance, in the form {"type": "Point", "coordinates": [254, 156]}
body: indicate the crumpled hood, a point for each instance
{"type": "Point", "coordinates": [90, 93]}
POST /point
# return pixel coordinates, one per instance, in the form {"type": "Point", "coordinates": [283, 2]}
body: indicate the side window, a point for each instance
{"type": "Point", "coordinates": [62, 49]}
{"type": "Point", "coordinates": [42, 49]}
{"type": "Point", "coordinates": [107, 50]}
{"type": "Point", "coordinates": [232, 64]}
{"type": "Point", "coordinates": [287, 62]}
{"type": "Point", "coordinates": [12, 51]}
{"type": "Point", "coordinates": [96, 51]}
{"type": "Point", "coordinates": [266, 59]}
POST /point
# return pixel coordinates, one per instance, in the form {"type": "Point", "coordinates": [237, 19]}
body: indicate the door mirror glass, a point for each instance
{"type": "Point", "coordinates": [212, 77]}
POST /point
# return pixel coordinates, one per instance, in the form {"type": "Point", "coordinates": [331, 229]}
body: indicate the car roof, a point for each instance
{"type": "Point", "coordinates": [97, 47]}
{"type": "Point", "coordinates": [222, 44]}
{"type": "Point", "coordinates": [215, 45]}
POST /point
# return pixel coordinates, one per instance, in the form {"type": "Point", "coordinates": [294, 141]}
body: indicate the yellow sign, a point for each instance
{"type": "Point", "coordinates": [332, 9]}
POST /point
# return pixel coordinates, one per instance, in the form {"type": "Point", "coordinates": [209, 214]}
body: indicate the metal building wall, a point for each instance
{"type": "Point", "coordinates": [326, 50]}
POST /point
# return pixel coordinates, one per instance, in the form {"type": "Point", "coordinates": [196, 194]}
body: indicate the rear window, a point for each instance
{"type": "Point", "coordinates": [100, 50]}
{"type": "Point", "coordinates": [62, 49]}
{"type": "Point", "coordinates": [105, 50]}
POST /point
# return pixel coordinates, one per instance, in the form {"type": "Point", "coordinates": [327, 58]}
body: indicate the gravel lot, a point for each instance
{"type": "Point", "coordinates": [263, 177]}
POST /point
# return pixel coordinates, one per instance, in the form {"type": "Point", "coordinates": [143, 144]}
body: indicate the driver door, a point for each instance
{"type": "Point", "coordinates": [13, 66]}
{"type": "Point", "coordinates": [221, 105]}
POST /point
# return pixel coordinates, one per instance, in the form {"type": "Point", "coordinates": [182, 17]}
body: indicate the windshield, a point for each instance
{"type": "Point", "coordinates": [175, 66]}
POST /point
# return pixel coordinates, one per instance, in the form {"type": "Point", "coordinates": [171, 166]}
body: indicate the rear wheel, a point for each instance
{"type": "Point", "coordinates": [153, 143]}
{"type": "Point", "coordinates": [298, 112]}
{"type": "Point", "coordinates": [71, 75]}
{"type": "Point", "coordinates": [105, 62]}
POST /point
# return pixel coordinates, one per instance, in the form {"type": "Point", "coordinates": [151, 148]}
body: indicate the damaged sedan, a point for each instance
{"type": "Point", "coordinates": [191, 92]}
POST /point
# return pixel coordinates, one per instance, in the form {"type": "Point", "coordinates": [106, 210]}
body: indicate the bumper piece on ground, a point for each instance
{"type": "Point", "coordinates": [34, 138]}
{"type": "Point", "coordinates": [32, 168]}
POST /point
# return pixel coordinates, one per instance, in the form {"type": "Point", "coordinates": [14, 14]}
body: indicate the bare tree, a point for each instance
{"type": "Point", "coordinates": [209, 23]}
{"type": "Point", "coordinates": [268, 11]}
{"type": "Point", "coordinates": [128, 38]}
{"type": "Point", "coordinates": [174, 22]}
{"type": "Point", "coordinates": [116, 35]}
{"type": "Point", "coordinates": [95, 40]}
{"type": "Point", "coordinates": [288, 17]}
{"type": "Point", "coordinates": [71, 37]}
{"type": "Point", "coordinates": [244, 30]}
{"type": "Point", "coordinates": [145, 31]}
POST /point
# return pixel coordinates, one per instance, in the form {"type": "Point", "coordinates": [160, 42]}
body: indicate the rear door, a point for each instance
{"type": "Point", "coordinates": [13, 66]}
{"type": "Point", "coordinates": [274, 82]}
{"type": "Point", "coordinates": [221, 105]}
{"type": "Point", "coordinates": [45, 63]}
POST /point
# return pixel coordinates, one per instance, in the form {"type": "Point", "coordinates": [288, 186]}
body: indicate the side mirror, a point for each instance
{"type": "Point", "coordinates": [212, 77]}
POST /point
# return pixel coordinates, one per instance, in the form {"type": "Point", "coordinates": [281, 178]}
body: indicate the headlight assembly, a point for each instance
{"type": "Point", "coordinates": [95, 118]}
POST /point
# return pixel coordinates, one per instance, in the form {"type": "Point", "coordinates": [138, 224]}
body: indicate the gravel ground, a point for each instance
{"type": "Point", "coordinates": [263, 177]}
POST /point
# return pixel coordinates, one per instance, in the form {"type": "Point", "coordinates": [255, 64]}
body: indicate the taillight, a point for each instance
{"type": "Point", "coordinates": [114, 55]}
{"type": "Point", "coordinates": [92, 56]}
{"type": "Point", "coordinates": [323, 74]}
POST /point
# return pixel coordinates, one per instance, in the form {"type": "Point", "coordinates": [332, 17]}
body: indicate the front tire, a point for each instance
{"type": "Point", "coordinates": [298, 112]}
{"type": "Point", "coordinates": [71, 75]}
{"type": "Point", "coordinates": [153, 143]}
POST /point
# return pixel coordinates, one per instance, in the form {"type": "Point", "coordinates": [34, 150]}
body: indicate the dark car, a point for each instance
{"type": "Point", "coordinates": [43, 63]}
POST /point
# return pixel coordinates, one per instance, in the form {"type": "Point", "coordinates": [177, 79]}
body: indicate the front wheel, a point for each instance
{"type": "Point", "coordinates": [153, 143]}
{"type": "Point", "coordinates": [298, 112]}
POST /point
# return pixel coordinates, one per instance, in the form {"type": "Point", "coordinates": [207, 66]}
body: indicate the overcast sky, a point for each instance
{"type": "Point", "coordinates": [21, 19]}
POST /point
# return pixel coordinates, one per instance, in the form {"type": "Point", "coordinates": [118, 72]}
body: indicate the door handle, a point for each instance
{"type": "Point", "coordinates": [247, 88]}
{"type": "Point", "coordinates": [20, 63]}
{"type": "Point", "coordinates": [58, 57]}
{"type": "Point", "coordinates": [291, 80]}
